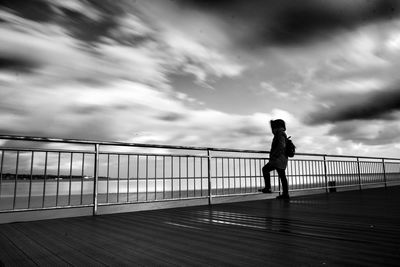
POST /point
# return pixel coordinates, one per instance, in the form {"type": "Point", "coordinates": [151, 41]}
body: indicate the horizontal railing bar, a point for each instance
{"type": "Point", "coordinates": [47, 208]}
{"type": "Point", "coordinates": [115, 143]}
{"type": "Point", "coordinates": [46, 150]}
{"type": "Point", "coordinates": [313, 160]}
{"type": "Point", "coordinates": [237, 177]}
{"type": "Point", "coordinates": [153, 154]}
{"type": "Point", "coordinates": [238, 157]}
{"type": "Point", "coordinates": [151, 201]}
{"type": "Point", "coordinates": [308, 189]}
{"type": "Point", "coordinates": [355, 185]}
{"type": "Point", "coordinates": [133, 179]}
{"type": "Point", "coordinates": [393, 182]}
{"type": "Point", "coordinates": [343, 156]}
{"type": "Point", "coordinates": [241, 194]}
{"type": "Point", "coordinates": [378, 160]}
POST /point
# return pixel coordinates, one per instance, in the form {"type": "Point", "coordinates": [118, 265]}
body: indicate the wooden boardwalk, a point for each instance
{"type": "Point", "coordinates": [353, 228]}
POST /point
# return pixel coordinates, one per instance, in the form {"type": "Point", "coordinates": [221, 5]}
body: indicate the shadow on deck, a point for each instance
{"type": "Point", "coordinates": [339, 229]}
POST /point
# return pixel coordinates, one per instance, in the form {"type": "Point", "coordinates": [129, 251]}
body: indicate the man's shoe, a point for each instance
{"type": "Point", "coordinates": [265, 190]}
{"type": "Point", "coordinates": [285, 197]}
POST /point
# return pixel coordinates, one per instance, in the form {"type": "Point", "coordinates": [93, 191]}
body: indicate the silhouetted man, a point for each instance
{"type": "Point", "coordinates": [277, 159]}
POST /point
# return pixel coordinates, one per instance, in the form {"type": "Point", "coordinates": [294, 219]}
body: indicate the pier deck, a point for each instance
{"type": "Point", "coordinates": [353, 228]}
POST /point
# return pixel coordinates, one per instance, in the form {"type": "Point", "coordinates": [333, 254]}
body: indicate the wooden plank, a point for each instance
{"type": "Point", "coordinates": [344, 228]}
{"type": "Point", "coordinates": [10, 255]}
{"type": "Point", "coordinates": [108, 244]}
{"type": "Point", "coordinates": [70, 253]}
{"type": "Point", "coordinates": [175, 240]}
{"type": "Point", "coordinates": [34, 252]}
{"type": "Point", "coordinates": [87, 243]}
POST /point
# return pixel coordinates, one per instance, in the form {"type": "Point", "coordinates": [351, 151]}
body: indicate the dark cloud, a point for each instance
{"type": "Point", "coordinates": [376, 105]}
{"type": "Point", "coordinates": [36, 10]}
{"type": "Point", "coordinates": [171, 117]}
{"type": "Point", "coordinates": [88, 29]}
{"type": "Point", "coordinates": [17, 64]}
{"type": "Point", "coordinates": [250, 130]}
{"type": "Point", "coordinates": [78, 22]}
{"type": "Point", "coordinates": [287, 22]}
{"type": "Point", "coordinates": [369, 134]}
{"type": "Point", "coordinates": [89, 128]}
{"type": "Point", "coordinates": [101, 109]}
{"type": "Point", "coordinates": [245, 130]}
{"type": "Point", "coordinates": [87, 110]}
{"type": "Point", "coordinates": [10, 108]}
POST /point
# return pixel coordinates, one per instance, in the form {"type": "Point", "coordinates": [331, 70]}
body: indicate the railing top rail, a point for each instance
{"type": "Point", "coordinates": [118, 143]}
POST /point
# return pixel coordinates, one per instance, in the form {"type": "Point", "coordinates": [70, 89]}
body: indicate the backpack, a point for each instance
{"type": "Point", "coordinates": [290, 148]}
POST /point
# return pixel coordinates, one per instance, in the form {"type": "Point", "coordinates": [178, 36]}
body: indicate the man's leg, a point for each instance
{"type": "Point", "coordinates": [267, 178]}
{"type": "Point", "coordinates": [282, 177]}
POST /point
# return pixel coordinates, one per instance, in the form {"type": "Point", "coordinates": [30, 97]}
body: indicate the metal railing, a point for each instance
{"type": "Point", "coordinates": [46, 173]}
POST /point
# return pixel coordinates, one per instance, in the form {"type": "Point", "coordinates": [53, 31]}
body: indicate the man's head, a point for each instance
{"type": "Point", "coordinates": [277, 124]}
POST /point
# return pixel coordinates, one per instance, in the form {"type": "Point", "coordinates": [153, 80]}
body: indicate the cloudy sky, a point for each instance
{"type": "Point", "coordinates": [204, 73]}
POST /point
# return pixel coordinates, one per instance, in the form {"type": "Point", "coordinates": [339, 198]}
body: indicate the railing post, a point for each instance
{"type": "Point", "coordinates": [209, 177]}
{"type": "Point", "coordinates": [384, 172]}
{"type": "Point", "coordinates": [326, 175]}
{"type": "Point", "coordinates": [359, 173]}
{"type": "Point", "coordinates": [95, 179]}
{"type": "Point", "coordinates": [16, 181]}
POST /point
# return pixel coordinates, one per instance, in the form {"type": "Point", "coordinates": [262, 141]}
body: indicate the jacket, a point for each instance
{"type": "Point", "coordinates": [277, 155]}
